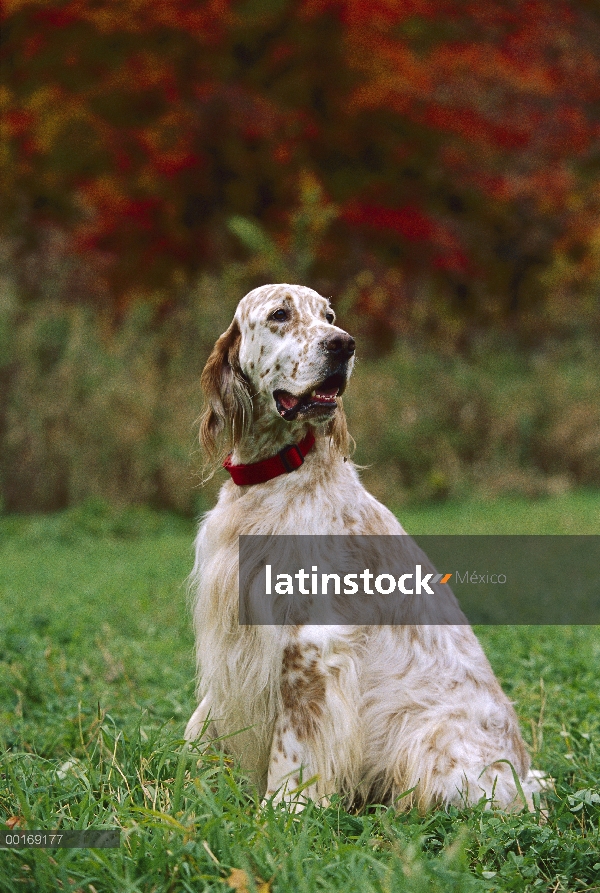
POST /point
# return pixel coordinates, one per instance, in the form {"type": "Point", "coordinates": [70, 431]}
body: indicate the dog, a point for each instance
{"type": "Point", "coordinates": [405, 714]}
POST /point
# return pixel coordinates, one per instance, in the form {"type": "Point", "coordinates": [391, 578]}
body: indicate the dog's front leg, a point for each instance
{"type": "Point", "coordinates": [291, 766]}
{"type": "Point", "coordinates": [316, 742]}
{"type": "Point", "coordinates": [197, 723]}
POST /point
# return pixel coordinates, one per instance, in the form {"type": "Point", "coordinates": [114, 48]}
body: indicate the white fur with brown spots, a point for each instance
{"type": "Point", "coordinates": [368, 712]}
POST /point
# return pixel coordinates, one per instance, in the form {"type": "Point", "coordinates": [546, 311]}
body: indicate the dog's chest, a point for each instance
{"type": "Point", "coordinates": [319, 499]}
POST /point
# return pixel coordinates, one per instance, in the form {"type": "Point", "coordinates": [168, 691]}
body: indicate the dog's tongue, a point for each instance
{"type": "Point", "coordinates": [288, 401]}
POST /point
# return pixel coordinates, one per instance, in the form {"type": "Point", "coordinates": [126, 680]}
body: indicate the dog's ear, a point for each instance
{"type": "Point", "coordinates": [339, 436]}
{"type": "Point", "coordinates": [228, 405]}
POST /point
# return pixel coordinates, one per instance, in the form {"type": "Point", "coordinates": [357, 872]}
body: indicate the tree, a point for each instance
{"type": "Point", "coordinates": [457, 139]}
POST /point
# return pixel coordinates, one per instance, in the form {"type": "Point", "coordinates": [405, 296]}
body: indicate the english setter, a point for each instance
{"type": "Point", "coordinates": [409, 714]}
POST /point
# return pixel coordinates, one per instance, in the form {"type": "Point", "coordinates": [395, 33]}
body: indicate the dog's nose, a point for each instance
{"type": "Point", "coordinates": [340, 346]}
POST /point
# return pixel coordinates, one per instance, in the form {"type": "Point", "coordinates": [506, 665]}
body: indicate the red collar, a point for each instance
{"type": "Point", "coordinates": [288, 459]}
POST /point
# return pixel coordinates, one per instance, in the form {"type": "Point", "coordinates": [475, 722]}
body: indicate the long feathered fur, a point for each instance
{"type": "Point", "coordinates": [368, 712]}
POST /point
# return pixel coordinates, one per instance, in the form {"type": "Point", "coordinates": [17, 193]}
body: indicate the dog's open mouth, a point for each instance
{"type": "Point", "coordinates": [316, 401]}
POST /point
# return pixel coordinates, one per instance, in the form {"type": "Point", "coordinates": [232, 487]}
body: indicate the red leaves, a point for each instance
{"type": "Point", "coordinates": [161, 119]}
{"type": "Point", "coordinates": [55, 17]}
{"type": "Point", "coordinates": [474, 128]}
{"type": "Point", "coordinates": [409, 222]}
{"type": "Point", "coordinates": [17, 122]}
{"type": "Point", "coordinates": [413, 225]}
{"type": "Point", "coordinates": [171, 164]}
{"type": "Point", "coordinates": [376, 13]}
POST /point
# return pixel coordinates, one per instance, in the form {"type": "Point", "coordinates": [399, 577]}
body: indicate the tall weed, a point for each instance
{"type": "Point", "coordinates": [500, 421]}
{"type": "Point", "coordinates": [88, 412]}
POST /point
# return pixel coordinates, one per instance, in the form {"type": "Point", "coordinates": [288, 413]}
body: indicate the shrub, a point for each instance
{"type": "Point", "coordinates": [92, 413]}
{"type": "Point", "coordinates": [87, 412]}
{"type": "Point", "coordinates": [499, 421]}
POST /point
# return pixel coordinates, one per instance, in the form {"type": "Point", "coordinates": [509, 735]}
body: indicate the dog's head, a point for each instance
{"type": "Point", "coordinates": [282, 363]}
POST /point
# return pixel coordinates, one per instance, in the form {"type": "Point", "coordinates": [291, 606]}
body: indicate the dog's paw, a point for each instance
{"type": "Point", "coordinates": [198, 722]}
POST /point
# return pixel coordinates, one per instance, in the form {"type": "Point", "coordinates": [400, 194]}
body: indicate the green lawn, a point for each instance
{"type": "Point", "coordinates": [569, 514]}
{"type": "Point", "coordinates": [96, 684]}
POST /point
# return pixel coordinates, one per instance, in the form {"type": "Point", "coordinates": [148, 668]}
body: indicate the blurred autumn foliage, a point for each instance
{"type": "Point", "coordinates": [449, 148]}
{"type": "Point", "coordinates": [433, 165]}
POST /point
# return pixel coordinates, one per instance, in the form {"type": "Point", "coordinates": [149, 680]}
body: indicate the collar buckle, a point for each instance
{"type": "Point", "coordinates": [291, 457]}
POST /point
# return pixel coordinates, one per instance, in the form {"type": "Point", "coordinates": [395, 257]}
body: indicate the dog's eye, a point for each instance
{"type": "Point", "coordinates": [279, 315]}
{"type": "Point", "coordinates": [329, 317]}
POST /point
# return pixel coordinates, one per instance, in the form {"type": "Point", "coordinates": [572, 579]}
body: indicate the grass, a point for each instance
{"type": "Point", "coordinates": [569, 513]}
{"type": "Point", "coordinates": [96, 684]}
